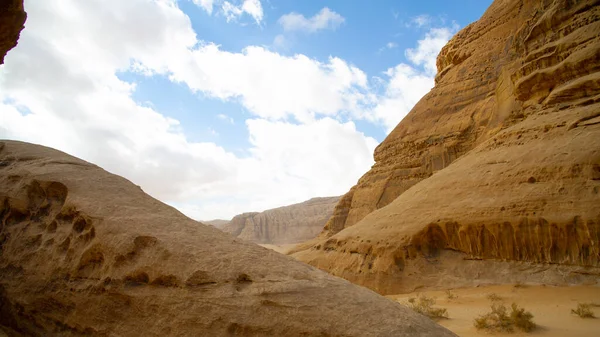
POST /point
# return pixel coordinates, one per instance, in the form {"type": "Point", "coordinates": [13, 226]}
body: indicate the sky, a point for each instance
{"type": "Point", "coordinates": [223, 107]}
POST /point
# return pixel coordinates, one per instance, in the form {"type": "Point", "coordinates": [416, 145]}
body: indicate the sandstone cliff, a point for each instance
{"type": "Point", "coordinates": [501, 160]}
{"type": "Point", "coordinates": [12, 21]}
{"type": "Point", "coordinates": [85, 252]}
{"type": "Point", "coordinates": [288, 224]}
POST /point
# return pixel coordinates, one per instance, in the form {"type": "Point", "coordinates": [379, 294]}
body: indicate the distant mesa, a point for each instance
{"type": "Point", "coordinates": [284, 225]}
{"type": "Point", "coordinates": [217, 223]}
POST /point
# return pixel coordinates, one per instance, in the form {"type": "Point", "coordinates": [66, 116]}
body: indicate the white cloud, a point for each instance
{"type": "Point", "coordinates": [273, 86]}
{"type": "Point", "coordinates": [225, 118]}
{"type": "Point", "coordinates": [421, 20]}
{"type": "Point", "coordinates": [286, 161]}
{"type": "Point", "coordinates": [428, 48]}
{"type": "Point", "coordinates": [90, 113]}
{"type": "Point", "coordinates": [324, 19]}
{"type": "Point", "coordinates": [407, 83]}
{"type": "Point", "coordinates": [250, 7]}
{"type": "Point", "coordinates": [207, 5]}
{"type": "Point", "coordinates": [405, 87]}
{"type": "Point", "coordinates": [388, 46]}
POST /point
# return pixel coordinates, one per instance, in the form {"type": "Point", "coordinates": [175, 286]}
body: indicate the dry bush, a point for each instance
{"type": "Point", "coordinates": [519, 284]}
{"type": "Point", "coordinates": [424, 305]}
{"type": "Point", "coordinates": [494, 297]}
{"type": "Point", "coordinates": [583, 310]}
{"type": "Point", "coordinates": [450, 295]}
{"type": "Point", "coordinates": [500, 320]}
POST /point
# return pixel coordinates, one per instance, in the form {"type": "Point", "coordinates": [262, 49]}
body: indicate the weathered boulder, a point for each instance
{"type": "Point", "coordinates": [86, 252]}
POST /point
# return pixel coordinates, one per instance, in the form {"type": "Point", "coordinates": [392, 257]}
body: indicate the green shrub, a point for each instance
{"type": "Point", "coordinates": [500, 320]}
{"type": "Point", "coordinates": [424, 305]}
{"type": "Point", "coordinates": [583, 310]}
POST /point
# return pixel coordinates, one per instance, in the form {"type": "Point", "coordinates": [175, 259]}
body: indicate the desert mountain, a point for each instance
{"type": "Point", "coordinates": [218, 223]}
{"type": "Point", "coordinates": [499, 162]}
{"type": "Point", "coordinates": [86, 252]}
{"type": "Point", "coordinates": [289, 224]}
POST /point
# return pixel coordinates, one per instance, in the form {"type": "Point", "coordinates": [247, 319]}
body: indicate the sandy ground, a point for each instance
{"type": "Point", "coordinates": [551, 307]}
{"type": "Point", "coordinates": [283, 249]}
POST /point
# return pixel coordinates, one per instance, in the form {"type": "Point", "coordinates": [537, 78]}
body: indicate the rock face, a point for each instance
{"type": "Point", "coordinates": [85, 252]}
{"type": "Point", "coordinates": [12, 21]}
{"type": "Point", "coordinates": [501, 160]}
{"type": "Point", "coordinates": [289, 224]}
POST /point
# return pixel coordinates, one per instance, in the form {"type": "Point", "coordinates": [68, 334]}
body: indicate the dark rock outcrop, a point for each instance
{"type": "Point", "coordinates": [12, 21]}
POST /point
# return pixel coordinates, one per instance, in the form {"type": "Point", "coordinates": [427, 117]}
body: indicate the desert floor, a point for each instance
{"type": "Point", "coordinates": [551, 307]}
{"type": "Point", "coordinates": [279, 248]}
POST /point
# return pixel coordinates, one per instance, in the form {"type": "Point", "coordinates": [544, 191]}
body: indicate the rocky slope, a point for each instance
{"type": "Point", "coordinates": [85, 252]}
{"type": "Point", "coordinates": [12, 21]}
{"type": "Point", "coordinates": [501, 160]}
{"type": "Point", "coordinates": [288, 224]}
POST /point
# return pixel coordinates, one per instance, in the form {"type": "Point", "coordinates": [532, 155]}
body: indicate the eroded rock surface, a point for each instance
{"type": "Point", "coordinates": [85, 252]}
{"type": "Point", "coordinates": [283, 225]}
{"type": "Point", "coordinates": [12, 21]}
{"type": "Point", "coordinates": [501, 160]}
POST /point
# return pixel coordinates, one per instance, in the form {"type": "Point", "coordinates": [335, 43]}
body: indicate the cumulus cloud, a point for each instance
{"type": "Point", "coordinates": [324, 19]}
{"type": "Point", "coordinates": [207, 5]}
{"type": "Point", "coordinates": [273, 86]}
{"type": "Point", "coordinates": [406, 83]}
{"type": "Point", "coordinates": [74, 101]}
{"type": "Point", "coordinates": [249, 7]}
{"type": "Point", "coordinates": [428, 48]}
{"type": "Point", "coordinates": [231, 11]}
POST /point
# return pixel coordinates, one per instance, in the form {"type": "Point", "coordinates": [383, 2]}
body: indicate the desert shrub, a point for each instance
{"type": "Point", "coordinates": [494, 297]}
{"type": "Point", "coordinates": [501, 320]}
{"type": "Point", "coordinates": [424, 305]}
{"type": "Point", "coordinates": [522, 319]}
{"type": "Point", "coordinates": [450, 295]}
{"type": "Point", "coordinates": [583, 310]}
{"type": "Point", "coordinates": [519, 284]}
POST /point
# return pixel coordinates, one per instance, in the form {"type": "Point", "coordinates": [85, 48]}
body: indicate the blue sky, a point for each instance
{"type": "Point", "coordinates": [220, 107]}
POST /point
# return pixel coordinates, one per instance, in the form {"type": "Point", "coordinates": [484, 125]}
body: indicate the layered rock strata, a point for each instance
{"type": "Point", "coordinates": [283, 225]}
{"type": "Point", "coordinates": [501, 160]}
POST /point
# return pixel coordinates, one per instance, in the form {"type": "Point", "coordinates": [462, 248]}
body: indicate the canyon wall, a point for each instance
{"type": "Point", "coordinates": [501, 160]}
{"type": "Point", "coordinates": [87, 253]}
{"type": "Point", "coordinates": [283, 225]}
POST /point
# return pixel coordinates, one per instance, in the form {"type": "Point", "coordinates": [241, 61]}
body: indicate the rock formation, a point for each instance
{"type": "Point", "coordinates": [85, 252]}
{"type": "Point", "coordinates": [12, 21]}
{"type": "Point", "coordinates": [288, 224]}
{"type": "Point", "coordinates": [501, 160]}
